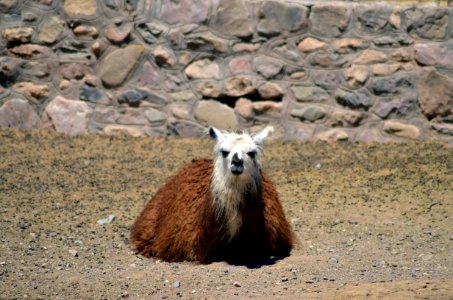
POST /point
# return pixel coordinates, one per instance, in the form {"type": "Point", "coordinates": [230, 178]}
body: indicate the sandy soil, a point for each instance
{"type": "Point", "coordinates": [372, 221]}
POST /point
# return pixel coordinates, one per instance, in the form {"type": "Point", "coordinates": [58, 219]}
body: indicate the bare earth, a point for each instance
{"type": "Point", "coordinates": [372, 221]}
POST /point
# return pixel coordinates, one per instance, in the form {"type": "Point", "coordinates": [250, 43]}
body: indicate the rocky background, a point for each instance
{"type": "Point", "coordinates": [316, 70]}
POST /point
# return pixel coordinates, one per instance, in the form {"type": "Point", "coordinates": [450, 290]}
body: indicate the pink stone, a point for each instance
{"type": "Point", "coordinates": [239, 65]}
{"type": "Point", "coordinates": [17, 113]}
{"type": "Point", "coordinates": [117, 35]}
{"type": "Point", "coordinates": [67, 116]}
{"type": "Point", "coordinates": [244, 108]}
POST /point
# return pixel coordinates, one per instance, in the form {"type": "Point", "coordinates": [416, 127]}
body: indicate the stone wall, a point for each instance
{"type": "Point", "coordinates": [316, 70]}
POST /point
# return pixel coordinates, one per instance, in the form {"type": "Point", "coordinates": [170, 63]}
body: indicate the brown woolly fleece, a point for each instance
{"type": "Point", "coordinates": [179, 222]}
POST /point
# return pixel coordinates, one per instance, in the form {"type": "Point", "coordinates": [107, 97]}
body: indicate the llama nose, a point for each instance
{"type": "Point", "coordinates": [237, 161]}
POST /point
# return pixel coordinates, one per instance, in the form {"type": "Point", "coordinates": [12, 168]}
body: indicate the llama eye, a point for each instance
{"type": "Point", "coordinates": [252, 154]}
{"type": "Point", "coordinates": [224, 153]}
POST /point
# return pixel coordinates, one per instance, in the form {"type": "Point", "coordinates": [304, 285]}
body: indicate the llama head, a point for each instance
{"type": "Point", "coordinates": [237, 155]}
{"type": "Point", "coordinates": [237, 172]}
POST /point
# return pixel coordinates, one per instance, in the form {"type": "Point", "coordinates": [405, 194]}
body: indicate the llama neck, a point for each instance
{"type": "Point", "coordinates": [230, 194]}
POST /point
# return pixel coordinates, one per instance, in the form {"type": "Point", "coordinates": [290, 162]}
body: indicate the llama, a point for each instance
{"type": "Point", "coordinates": [225, 209]}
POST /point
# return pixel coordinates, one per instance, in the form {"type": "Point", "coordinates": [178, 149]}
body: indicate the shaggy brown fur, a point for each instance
{"type": "Point", "coordinates": [179, 222]}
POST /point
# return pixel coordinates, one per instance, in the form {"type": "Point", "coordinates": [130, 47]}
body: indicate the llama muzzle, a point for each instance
{"type": "Point", "coordinates": [237, 165]}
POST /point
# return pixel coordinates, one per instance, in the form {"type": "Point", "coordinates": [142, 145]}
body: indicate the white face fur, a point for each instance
{"type": "Point", "coordinates": [237, 155]}
{"type": "Point", "coordinates": [236, 172]}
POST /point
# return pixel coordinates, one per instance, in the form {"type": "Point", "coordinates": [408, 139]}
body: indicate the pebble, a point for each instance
{"type": "Point", "coordinates": [107, 220]}
{"type": "Point", "coordinates": [236, 284]}
{"type": "Point", "coordinates": [177, 284]}
{"type": "Point", "coordinates": [73, 252]}
{"type": "Point", "coordinates": [284, 279]}
{"type": "Point", "coordinates": [332, 260]}
{"type": "Point", "coordinates": [318, 166]}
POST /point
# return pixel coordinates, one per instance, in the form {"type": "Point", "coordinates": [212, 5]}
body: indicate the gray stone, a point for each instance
{"type": "Point", "coordinates": [266, 66]}
{"type": "Point", "coordinates": [214, 113]}
{"type": "Point", "coordinates": [399, 107]}
{"type": "Point", "coordinates": [148, 75]}
{"type": "Point", "coordinates": [105, 114]}
{"type": "Point", "coordinates": [51, 29]}
{"type": "Point", "coordinates": [131, 116]}
{"type": "Point", "coordinates": [446, 129]}
{"type": "Point", "coordinates": [184, 11]}
{"type": "Point", "coordinates": [392, 85]}
{"type": "Point", "coordinates": [92, 94]}
{"type": "Point", "coordinates": [326, 79]}
{"type": "Point", "coordinates": [436, 94]}
{"type": "Point", "coordinates": [434, 55]}
{"type": "Point", "coordinates": [118, 64]}
{"type": "Point", "coordinates": [66, 116]}
{"type": "Point", "coordinates": [427, 22]}
{"type": "Point", "coordinates": [135, 97]}
{"type": "Point", "coordinates": [373, 19]}
{"type": "Point", "coordinates": [299, 131]}
{"type": "Point", "coordinates": [286, 52]}
{"type": "Point", "coordinates": [309, 113]}
{"type": "Point", "coordinates": [232, 18]}
{"type": "Point", "coordinates": [173, 82]}
{"type": "Point", "coordinates": [206, 42]}
{"type": "Point", "coordinates": [36, 69]}
{"type": "Point", "coordinates": [187, 129]}
{"type": "Point", "coordinates": [17, 113]}
{"type": "Point", "coordinates": [155, 117]}
{"type": "Point", "coordinates": [280, 17]}
{"type": "Point", "coordinates": [183, 96]}
{"type": "Point", "coordinates": [145, 33]}
{"type": "Point", "coordinates": [239, 86]}
{"type": "Point", "coordinates": [393, 41]}
{"type": "Point", "coordinates": [9, 71]}
{"type": "Point", "coordinates": [329, 19]}
{"type": "Point", "coordinates": [309, 93]}
{"type": "Point", "coordinates": [353, 99]}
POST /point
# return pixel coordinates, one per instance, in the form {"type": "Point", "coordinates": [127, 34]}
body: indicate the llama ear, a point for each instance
{"type": "Point", "coordinates": [261, 136]}
{"type": "Point", "coordinates": [215, 133]}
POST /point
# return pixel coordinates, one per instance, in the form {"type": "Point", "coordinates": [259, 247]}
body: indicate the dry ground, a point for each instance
{"type": "Point", "coordinates": [372, 220]}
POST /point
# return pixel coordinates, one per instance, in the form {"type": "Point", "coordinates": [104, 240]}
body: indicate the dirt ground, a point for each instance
{"type": "Point", "coordinates": [372, 220]}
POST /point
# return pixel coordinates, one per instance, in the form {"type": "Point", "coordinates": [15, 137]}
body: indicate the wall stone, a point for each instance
{"type": "Point", "coordinates": [333, 71]}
